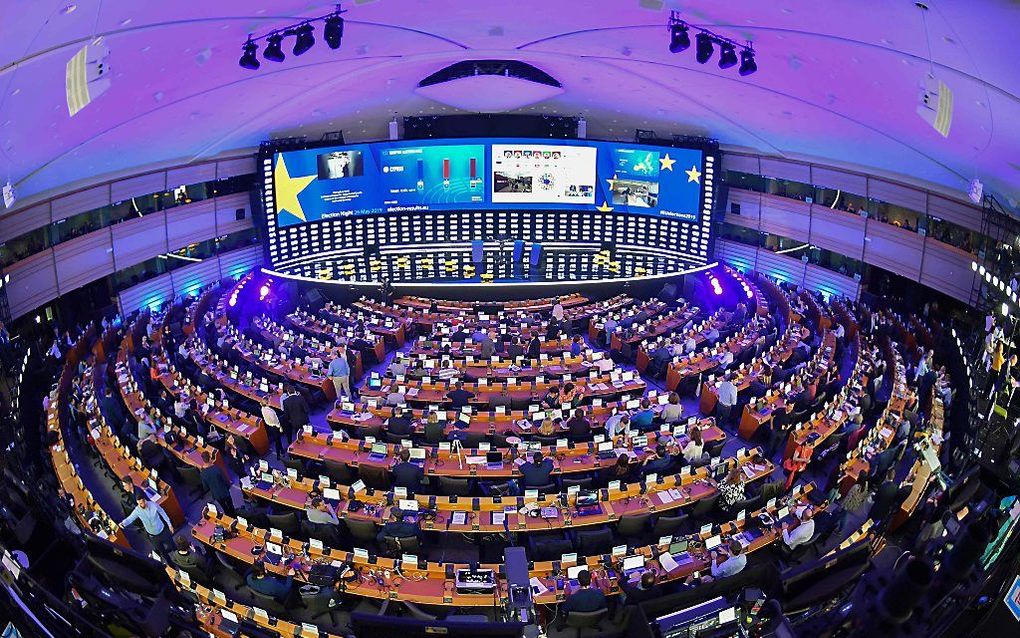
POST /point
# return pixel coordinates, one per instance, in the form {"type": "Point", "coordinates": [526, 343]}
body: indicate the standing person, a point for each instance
{"type": "Point", "coordinates": [534, 347]}
{"type": "Point", "coordinates": [273, 427]}
{"type": "Point", "coordinates": [154, 520]}
{"type": "Point", "coordinates": [340, 375]}
{"type": "Point", "coordinates": [295, 412]}
{"type": "Point", "coordinates": [217, 484]}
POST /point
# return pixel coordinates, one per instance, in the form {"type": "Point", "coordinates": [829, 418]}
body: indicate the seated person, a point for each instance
{"type": "Point", "coordinates": [657, 463]}
{"type": "Point", "coordinates": [673, 410]}
{"type": "Point", "coordinates": [501, 400]}
{"type": "Point", "coordinates": [401, 423]}
{"type": "Point", "coordinates": [552, 398]}
{"type": "Point", "coordinates": [578, 427]}
{"type": "Point", "coordinates": [622, 470]}
{"type": "Point", "coordinates": [259, 580]}
{"type": "Point", "coordinates": [536, 473]}
{"type": "Point", "coordinates": [570, 394]}
{"type": "Point", "coordinates": [803, 533]}
{"type": "Point", "coordinates": [435, 430]}
{"type": "Point", "coordinates": [733, 564]}
{"type": "Point", "coordinates": [731, 490]}
{"type": "Point", "coordinates": [586, 598]}
{"type": "Point", "coordinates": [407, 474]}
{"type": "Point", "coordinates": [319, 512]}
{"type": "Point", "coordinates": [188, 558]}
{"type": "Point", "coordinates": [645, 589]}
{"type": "Point", "coordinates": [619, 423]}
{"type": "Point", "coordinates": [446, 371]}
{"type": "Point", "coordinates": [576, 346]}
{"type": "Point", "coordinates": [695, 447]}
{"type": "Point", "coordinates": [459, 397]}
{"type": "Point", "coordinates": [397, 527]}
{"type": "Point", "coordinates": [548, 426]}
{"type": "Point", "coordinates": [642, 419]}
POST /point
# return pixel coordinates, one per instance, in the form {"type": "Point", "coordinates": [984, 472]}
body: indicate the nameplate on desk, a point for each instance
{"type": "Point", "coordinates": [410, 560]}
{"type": "Point", "coordinates": [358, 486]}
{"type": "Point", "coordinates": [361, 554]}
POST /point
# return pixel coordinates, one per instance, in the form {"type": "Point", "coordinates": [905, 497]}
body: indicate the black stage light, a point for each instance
{"type": "Point", "coordinates": [305, 38]}
{"type": "Point", "coordinates": [679, 38]}
{"type": "Point", "coordinates": [727, 55]}
{"type": "Point", "coordinates": [250, 59]}
{"type": "Point", "coordinates": [747, 63]}
{"type": "Point", "coordinates": [274, 48]}
{"type": "Point", "coordinates": [333, 32]}
{"type": "Point", "coordinates": [704, 50]}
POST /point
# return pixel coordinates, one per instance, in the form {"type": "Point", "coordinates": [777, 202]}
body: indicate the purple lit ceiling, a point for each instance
{"type": "Point", "coordinates": [838, 81]}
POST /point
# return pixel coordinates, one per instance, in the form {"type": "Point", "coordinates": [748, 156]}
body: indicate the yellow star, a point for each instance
{"type": "Point", "coordinates": [604, 208]}
{"type": "Point", "coordinates": [666, 163]}
{"type": "Point", "coordinates": [287, 190]}
{"type": "Point", "coordinates": [693, 175]}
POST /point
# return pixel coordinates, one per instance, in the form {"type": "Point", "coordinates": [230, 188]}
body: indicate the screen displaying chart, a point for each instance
{"type": "Point", "coordinates": [416, 178]}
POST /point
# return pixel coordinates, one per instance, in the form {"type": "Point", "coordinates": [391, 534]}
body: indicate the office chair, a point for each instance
{"type": "Point", "coordinates": [397, 545]}
{"type": "Point", "coordinates": [268, 603]}
{"type": "Point", "coordinates": [338, 472]}
{"type": "Point", "coordinates": [582, 620]}
{"type": "Point", "coordinates": [583, 483]}
{"type": "Point", "coordinates": [449, 485]}
{"type": "Point", "coordinates": [296, 464]}
{"type": "Point", "coordinates": [191, 477]}
{"type": "Point", "coordinates": [631, 525]}
{"type": "Point", "coordinates": [376, 477]}
{"type": "Point", "coordinates": [361, 530]}
{"type": "Point", "coordinates": [593, 542]}
{"type": "Point", "coordinates": [287, 523]}
{"type": "Point", "coordinates": [704, 507]}
{"type": "Point", "coordinates": [668, 525]}
{"type": "Point", "coordinates": [549, 548]}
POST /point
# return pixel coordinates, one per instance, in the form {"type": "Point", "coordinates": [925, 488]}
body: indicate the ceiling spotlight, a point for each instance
{"type": "Point", "coordinates": [333, 32]}
{"type": "Point", "coordinates": [704, 48]}
{"type": "Point", "coordinates": [274, 48]}
{"type": "Point", "coordinates": [727, 55]}
{"type": "Point", "coordinates": [250, 58]}
{"type": "Point", "coordinates": [305, 38]}
{"type": "Point", "coordinates": [747, 63]}
{"type": "Point", "coordinates": [679, 38]}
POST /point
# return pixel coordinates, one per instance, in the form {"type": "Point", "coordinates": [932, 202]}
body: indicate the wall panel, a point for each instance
{"type": "Point", "coordinates": [82, 260]}
{"type": "Point", "coordinates": [139, 185]}
{"type": "Point", "coordinates": [832, 178]}
{"type": "Point", "coordinates": [152, 293]}
{"type": "Point", "coordinates": [187, 175]}
{"type": "Point", "coordinates": [741, 163]}
{"type": "Point", "coordinates": [954, 211]}
{"type": "Point", "coordinates": [140, 239]}
{"type": "Point", "coordinates": [780, 266]}
{"type": "Point", "coordinates": [23, 221]}
{"type": "Point", "coordinates": [894, 249]}
{"type": "Point", "coordinates": [80, 202]}
{"type": "Point", "coordinates": [226, 213]}
{"type": "Point", "coordinates": [784, 216]}
{"type": "Point", "coordinates": [742, 256]}
{"type": "Point", "coordinates": [33, 283]}
{"type": "Point", "coordinates": [947, 269]}
{"type": "Point", "coordinates": [240, 261]}
{"type": "Point", "coordinates": [781, 169]}
{"type": "Point", "coordinates": [190, 223]}
{"type": "Point", "coordinates": [910, 198]}
{"type": "Point", "coordinates": [825, 280]}
{"type": "Point", "coordinates": [837, 231]}
{"type": "Point", "coordinates": [235, 167]}
{"type": "Point", "coordinates": [749, 204]}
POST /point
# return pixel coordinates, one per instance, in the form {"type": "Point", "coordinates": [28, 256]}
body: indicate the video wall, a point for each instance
{"type": "Point", "coordinates": [435, 175]}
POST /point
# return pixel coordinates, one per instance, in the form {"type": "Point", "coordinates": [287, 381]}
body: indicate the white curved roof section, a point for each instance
{"type": "Point", "coordinates": [838, 82]}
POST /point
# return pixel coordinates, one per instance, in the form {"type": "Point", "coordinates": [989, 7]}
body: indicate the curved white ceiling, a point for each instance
{"type": "Point", "coordinates": [838, 81]}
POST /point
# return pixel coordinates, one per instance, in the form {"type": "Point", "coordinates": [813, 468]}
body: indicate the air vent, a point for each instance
{"type": "Point", "coordinates": [489, 86]}
{"type": "Point", "coordinates": [503, 68]}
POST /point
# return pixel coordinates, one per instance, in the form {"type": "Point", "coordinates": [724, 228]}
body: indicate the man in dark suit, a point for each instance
{"type": "Point", "coordinates": [536, 473]}
{"type": "Point", "coordinates": [578, 427]}
{"type": "Point", "coordinates": [397, 527]}
{"type": "Point", "coordinates": [295, 412]}
{"type": "Point", "coordinates": [189, 559]}
{"type": "Point", "coordinates": [401, 424]}
{"type": "Point", "coordinates": [644, 589]}
{"type": "Point", "coordinates": [407, 474]}
{"type": "Point", "coordinates": [514, 349]}
{"type": "Point", "coordinates": [885, 497]}
{"type": "Point", "coordinates": [534, 347]}
{"type": "Point", "coordinates": [586, 598]}
{"type": "Point", "coordinates": [217, 484]}
{"type": "Point", "coordinates": [459, 397]}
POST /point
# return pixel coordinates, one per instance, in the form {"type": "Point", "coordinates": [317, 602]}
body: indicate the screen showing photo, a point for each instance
{"type": "Point", "coordinates": [525, 173]}
{"type": "Point", "coordinates": [340, 164]}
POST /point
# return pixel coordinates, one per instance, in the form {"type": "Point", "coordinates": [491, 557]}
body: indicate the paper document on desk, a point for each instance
{"type": "Point", "coordinates": [667, 562]}
{"type": "Point", "coordinates": [498, 518]}
{"type": "Point", "coordinates": [537, 587]}
{"type": "Point", "coordinates": [459, 518]}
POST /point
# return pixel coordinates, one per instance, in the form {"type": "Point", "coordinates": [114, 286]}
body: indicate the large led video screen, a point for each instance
{"type": "Point", "coordinates": [390, 177]}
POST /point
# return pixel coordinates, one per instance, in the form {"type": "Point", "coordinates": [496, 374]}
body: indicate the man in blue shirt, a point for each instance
{"type": "Point", "coordinates": [642, 419]}
{"type": "Point", "coordinates": [340, 375]}
{"type": "Point", "coordinates": [155, 521]}
{"type": "Point", "coordinates": [538, 472]}
{"type": "Point", "coordinates": [269, 585]}
{"type": "Point", "coordinates": [659, 463]}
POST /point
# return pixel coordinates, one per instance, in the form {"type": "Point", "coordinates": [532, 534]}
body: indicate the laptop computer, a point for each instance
{"type": "Point", "coordinates": [494, 460]}
{"type": "Point", "coordinates": [378, 452]}
{"type": "Point", "coordinates": [633, 565]}
{"type": "Point", "coordinates": [606, 451]}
